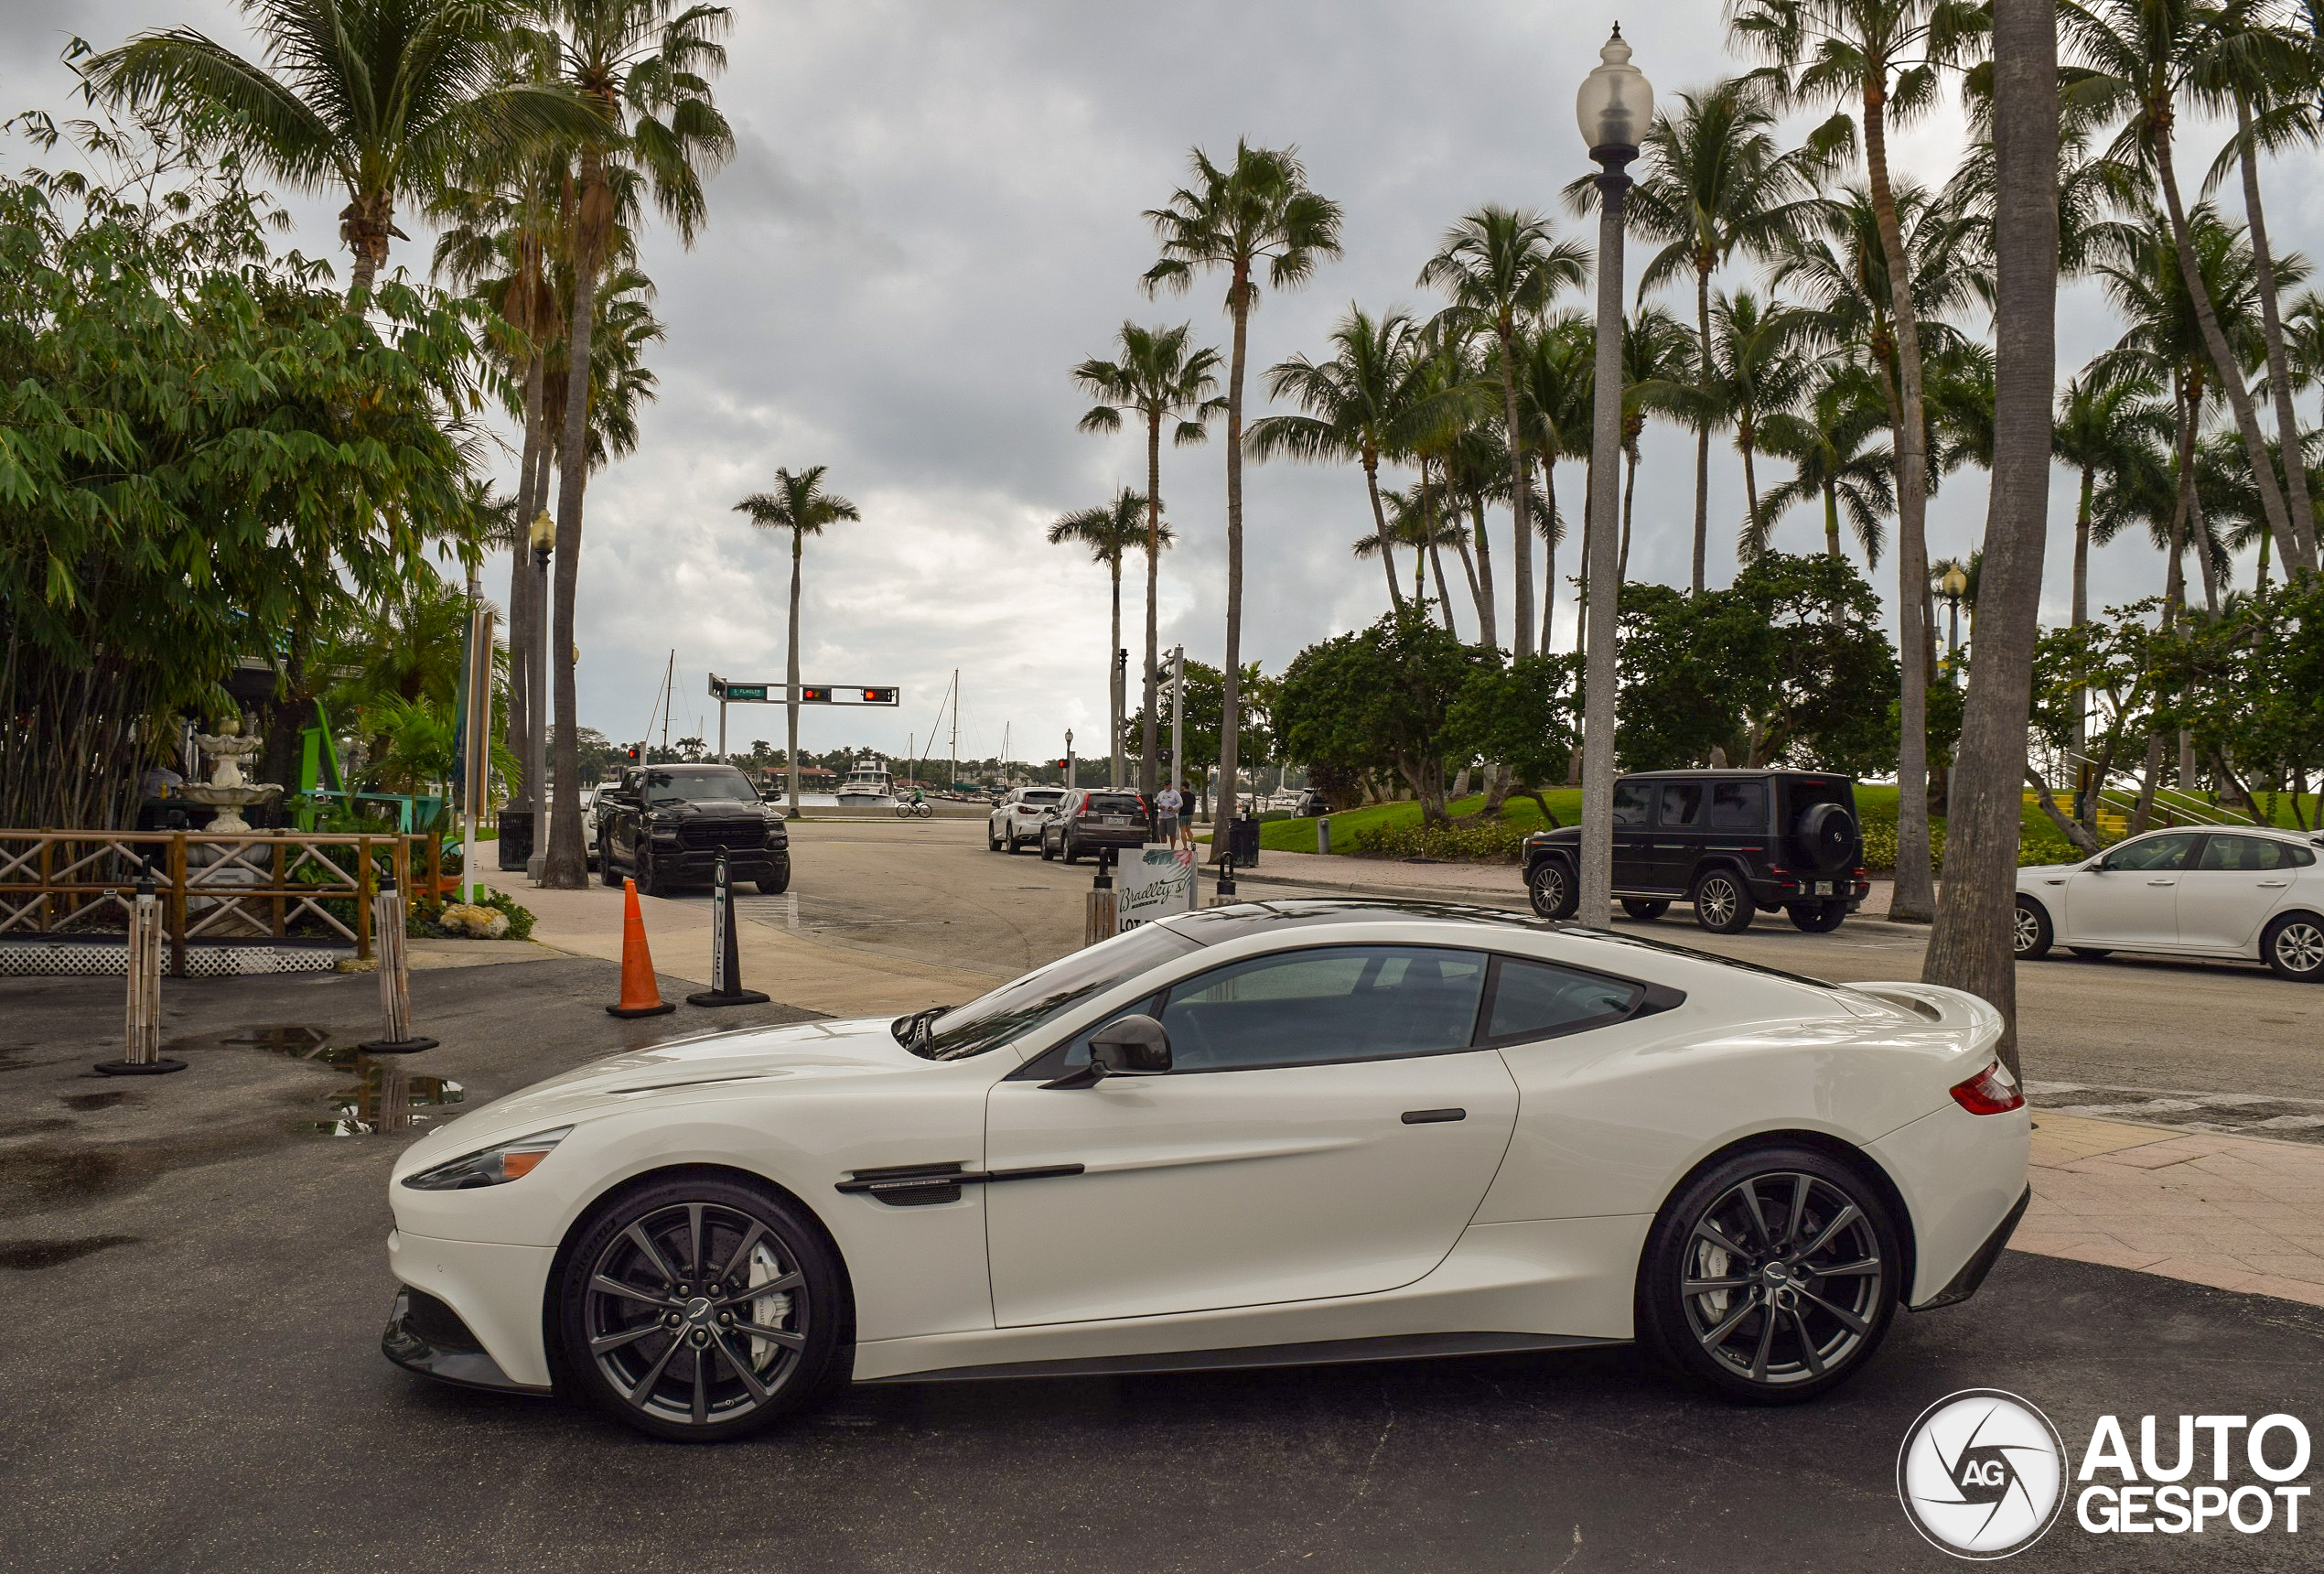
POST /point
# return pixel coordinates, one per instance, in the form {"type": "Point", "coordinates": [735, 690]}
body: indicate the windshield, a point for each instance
{"type": "Point", "coordinates": [711, 786]}
{"type": "Point", "coordinates": [1017, 1008]}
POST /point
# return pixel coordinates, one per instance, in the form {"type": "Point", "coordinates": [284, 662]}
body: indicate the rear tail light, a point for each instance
{"type": "Point", "coordinates": [1992, 1091]}
{"type": "Point", "coordinates": [1778, 870]}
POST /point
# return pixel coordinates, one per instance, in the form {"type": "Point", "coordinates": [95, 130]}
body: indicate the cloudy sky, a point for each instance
{"type": "Point", "coordinates": [934, 212]}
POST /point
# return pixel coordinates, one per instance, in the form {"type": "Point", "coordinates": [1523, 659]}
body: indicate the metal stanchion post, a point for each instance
{"type": "Point", "coordinates": [1104, 920]}
{"type": "Point", "coordinates": [726, 950]}
{"type": "Point", "coordinates": [142, 1055]}
{"type": "Point", "coordinates": [1323, 833]}
{"type": "Point", "coordinates": [396, 1037]}
{"type": "Point", "coordinates": [1225, 894]}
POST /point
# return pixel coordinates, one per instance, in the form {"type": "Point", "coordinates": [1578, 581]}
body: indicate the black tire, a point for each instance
{"type": "Point", "coordinates": [656, 1383]}
{"type": "Point", "coordinates": [775, 884]}
{"type": "Point", "coordinates": [2293, 947]}
{"type": "Point", "coordinates": [2090, 952]}
{"type": "Point", "coordinates": [1765, 1322]}
{"type": "Point", "coordinates": [1009, 843]}
{"type": "Point", "coordinates": [1073, 848]}
{"type": "Point", "coordinates": [643, 872]}
{"type": "Point", "coordinates": [992, 840]}
{"type": "Point", "coordinates": [1644, 910]}
{"type": "Point", "coordinates": [1046, 856]}
{"type": "Point", "coordinates": [2033, 935]}
{"type": "Point", "coordinates": [1818, 917]}
{"type": "Point", "coordinates": [1550, 883]}
{"type": "Point", "coordinates": [1723, 902]}
{"type": "Point", "coordinates": [606, 875]}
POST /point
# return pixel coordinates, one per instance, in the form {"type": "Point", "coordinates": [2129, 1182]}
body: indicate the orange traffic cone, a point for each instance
{"type": "Point", "coordinates": [639, 997]}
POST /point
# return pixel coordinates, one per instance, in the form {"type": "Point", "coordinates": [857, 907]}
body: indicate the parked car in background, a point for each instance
{"type": "Point", "coordinates": [1090, 818]}
{"type": "Point", "coordinates": [1016, 820]}
{"type": "Point", "coordinates": [2250, 893]}
{"type": "Point", "coordinates": [591, 802]}
{"type": "Point", "coordinates": [665, 825]}
{"type": "Point", "coordinates": [1730, 842]}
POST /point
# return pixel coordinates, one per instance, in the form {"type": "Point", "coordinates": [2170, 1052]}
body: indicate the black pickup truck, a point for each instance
{"type": "Point", "coordinates": [665, 825]}
{"type": "Point", "coordinates": [1730, 842]}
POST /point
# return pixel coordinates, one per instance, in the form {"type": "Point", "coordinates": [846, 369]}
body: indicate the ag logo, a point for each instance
{"type": "Point", "coordinates": [1982, 1473]}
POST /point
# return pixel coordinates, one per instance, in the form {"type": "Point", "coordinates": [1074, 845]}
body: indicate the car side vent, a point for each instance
{"type": "Point", "coordinates": [1658, 998]}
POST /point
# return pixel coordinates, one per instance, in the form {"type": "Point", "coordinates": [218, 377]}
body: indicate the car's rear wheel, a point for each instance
{"type": "Point", "coordinates": [1772, 1276]}
{"type": "Point", "coordinates": [2090, 952]}
{"type": "Point", "coordinates": [605, 872]}
{"type": "Point", "coordinates": [700, 1308]}
{"type": "Point", "coordinates": [1643, 910]}
{"type": "Point", "coordinates": [2031, 939]}
{"type": "Point", "coordinates": [1722, 905]}
{"type": "Point", "coordinates": [1818, 917]}
{"type": "Point", "coordinates": [1550, 883]}
{"type": "Point", "coordinates": [2294, 947]}
{"type": "Point", "coordinates": [1008, 839]}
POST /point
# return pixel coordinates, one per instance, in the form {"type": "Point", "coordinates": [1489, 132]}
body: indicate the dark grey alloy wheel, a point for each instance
{"type": "Point", "coordinates": [2029, 939]}
{"type": "Point", "coordinates": [1551, 885]}
{"type": "Point", "coordinates": [699, 1310]}
{"type": "Point", "coordinates": [1722, 905]}
{"type": "Point", "coordinates": [2294, 947]}
{"type": "Point", "coordinates": [1771, 1277]}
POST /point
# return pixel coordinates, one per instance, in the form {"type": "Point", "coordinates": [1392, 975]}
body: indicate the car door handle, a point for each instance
{"type": "Point", "coordinates": [2273, 885]}
{"type": "Point", "coordinates": [2162, 883]}
{"type": "Point", "coordinates": [1433, 1117]}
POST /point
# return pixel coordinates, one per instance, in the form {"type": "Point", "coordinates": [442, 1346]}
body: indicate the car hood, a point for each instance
{"type": "Point", "coordinates": [2035, 871]}
{"type": "Point", "coordinates": [754, 1059]}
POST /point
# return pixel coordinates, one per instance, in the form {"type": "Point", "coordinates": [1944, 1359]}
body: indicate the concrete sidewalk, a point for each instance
{"type": "Point", "coordinates": [793, 968]}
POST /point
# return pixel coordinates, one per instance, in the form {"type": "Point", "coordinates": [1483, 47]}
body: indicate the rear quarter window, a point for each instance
{"type": "Point", "coordinates": [1113, 804]}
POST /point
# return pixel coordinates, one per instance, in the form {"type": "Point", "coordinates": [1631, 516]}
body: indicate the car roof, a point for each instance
{"type": "Point", "coordinates": [2274, 833]}
{"type": "Point", "coordinates": [1755, 773]}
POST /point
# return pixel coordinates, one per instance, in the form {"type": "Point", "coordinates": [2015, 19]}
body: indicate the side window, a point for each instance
{"type": "Point", "coordinates": [2242, 853]}
{"type": "Point", "coordinates": [1633, 800]}
{"type": "Point", "coordinates": [1332, 1003]}
{"type": "Point", "coordinates": [1681, 805]}
{"type": "Point", "coordinates": [2164, 852]}
{"type": "Point", "coordinates": [2298, 858]}
{"type": "Point", "coordinates": [1535, 1000]}
{"type": "Point", "coordinates": [1739, 806]}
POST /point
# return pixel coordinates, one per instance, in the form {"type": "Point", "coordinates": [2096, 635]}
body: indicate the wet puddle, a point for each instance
{"type": "Point", "coordinates": [49, 1253]}
{"type": "Point", "coordinates": [387, 1095]}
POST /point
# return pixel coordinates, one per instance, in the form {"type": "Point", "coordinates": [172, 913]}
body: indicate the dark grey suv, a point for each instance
{"type": "Point", "coordinates": [1730, 842]}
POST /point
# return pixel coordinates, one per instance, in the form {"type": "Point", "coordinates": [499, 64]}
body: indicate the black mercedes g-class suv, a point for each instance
{"type": "Point", "coordinates": [1731, 841]}
{"type": "Point", "coordinates": [665, 825]}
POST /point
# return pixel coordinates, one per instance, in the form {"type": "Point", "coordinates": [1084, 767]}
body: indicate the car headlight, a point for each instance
{"type": "Point", "coordinates": [495, 1166]}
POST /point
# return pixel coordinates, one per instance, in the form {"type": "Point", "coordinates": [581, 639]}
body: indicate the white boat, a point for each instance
{"type": "Point", "coordinates": [867, 786]}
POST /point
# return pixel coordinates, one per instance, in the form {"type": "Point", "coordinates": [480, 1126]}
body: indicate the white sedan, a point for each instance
{"type": "Point", "coordinates": [1275, 1133]}
{"type": "Point", "coordinates": [2248, 892]}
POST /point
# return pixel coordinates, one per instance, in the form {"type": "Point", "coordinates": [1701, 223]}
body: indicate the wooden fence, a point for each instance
{"type": "Point", "coordinates": [255, 884]}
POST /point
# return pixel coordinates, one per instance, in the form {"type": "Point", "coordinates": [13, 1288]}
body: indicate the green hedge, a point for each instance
{"type": "Point", "coordinates": [1880, 847]}
{"type": "Point", "coordinates": [1487, 842]}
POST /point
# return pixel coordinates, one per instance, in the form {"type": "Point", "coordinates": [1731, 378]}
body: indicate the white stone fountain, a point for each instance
{"type": "Point", "coordinates": [228, 789]}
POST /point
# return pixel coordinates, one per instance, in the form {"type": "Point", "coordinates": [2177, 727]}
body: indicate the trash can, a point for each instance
{"type": "Point", "coordinates": [516, 837]}
{"type": "Point", "coordinates": [1242, 840]}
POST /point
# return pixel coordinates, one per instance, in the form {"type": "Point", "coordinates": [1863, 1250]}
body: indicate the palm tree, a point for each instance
{"type": "Point", "coordinates": [1885, 55]}
{"type": "Point", "coordinates": [1501, 267]}
{"type": "Point", "coordinates": [1160, 377]}
{"type": "Point", "coordinates": [1658, 376]}
{"type": "Point", "coordinates": [379, 99]}
{"type": "Point", "coordinates": [1558, 383]}
{"type": "Point", "coordinates": [645, 71]}
{"type": "Point", "coordinates": [1757, 371]}
{"type": "Point", "coordinates": [1109, 530]}
{"type": "Point", "coordinates": [2141, 57]}
{"type": "Point", "coordinates": [2097, 414]}
{"type": "Point", "coordinates": [1415, 520]}
{"type": "Point", "coordinates": [1360, 406]}
{"type": "Point", "coordinates": [1827, 444]}
{"type": "Point", "coordinates": [1258, 210]}
{"type": "Point", "coordinates": [800, 505]}
{"type": "Point", "coordinates": [1713, 181]}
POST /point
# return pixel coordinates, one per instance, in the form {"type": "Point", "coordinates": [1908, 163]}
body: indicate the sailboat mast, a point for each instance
{"type": "Point", "coordinates": [954, 769]}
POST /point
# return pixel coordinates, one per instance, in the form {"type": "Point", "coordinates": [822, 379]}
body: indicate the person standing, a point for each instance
{"type": "Point", "coordinates": [1166, 804]}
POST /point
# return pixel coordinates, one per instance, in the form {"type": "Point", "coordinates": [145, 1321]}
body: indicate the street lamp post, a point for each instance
{"type": "Point", "coordinates": [1953, 586]}
{"type": "Point", "coordinates": [542, 538]}
{"type": "Point", "coordinates": [1614, 107]}
{"type": "Point", "coordinates": [1068, 758]}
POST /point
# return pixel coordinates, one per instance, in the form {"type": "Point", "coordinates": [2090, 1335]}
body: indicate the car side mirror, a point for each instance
{"type": "Point", "coordinates": [1135, 1046]}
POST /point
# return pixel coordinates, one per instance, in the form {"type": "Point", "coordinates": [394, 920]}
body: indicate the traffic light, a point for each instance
{"type": "Point", "coordinates": [633, 754]}
{"type": "Point", "coordinates": [813, 694]}
{"type": "Point", "coordinates": [1058, 764]}
{"type": "Point", "coordinates": [878, 696]}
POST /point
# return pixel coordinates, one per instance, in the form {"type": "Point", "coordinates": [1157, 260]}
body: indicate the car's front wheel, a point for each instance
{"type": "Point", "coordinates": [1772, 1276]}
{"type": "Point", "coordinates": [700, 1308]}
{"type": "Point", "coordinates": [2294, 947]}
{"type": "Point", "coordinates": [606, 871]}
{"type": "Point", "coordinates": [1550, 883]}
{"type": "Point", "coordinates": [1644, 910]}
{"type": "Point", "coordinates": [2032, 938]}
{"type": "Point", "coordinates": [992, 838]}
{"type": "Point", "coordinates": [1722, 905]}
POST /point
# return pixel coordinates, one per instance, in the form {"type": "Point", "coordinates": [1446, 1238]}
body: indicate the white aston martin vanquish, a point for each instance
{"type": "Point", "coordinates": [1282, 1133]}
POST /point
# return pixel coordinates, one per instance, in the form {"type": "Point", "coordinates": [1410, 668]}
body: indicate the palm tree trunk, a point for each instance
{"type": "Point", "coordinates": [1520, 483]}
{"type": "Point", "coordinates": [1913, 898]}
{"type": "Point", "coordinates": [1751, 490]}
{"type": "Point", "coordinates": [2199, 537]}
{"type": "Point", "coordinates": [1487, 620]}
{"type": "Point", "coordinates": [1114, 696]}
{"type": "Point", "coordinates": [1230, 674]}
{"type": "Point", "coordinates": [1831, 520]}
{"type": "Point", "coordinates": [2279, 376]}
{"type": "Point", "coordinates": [1581, 584]}
{"type": "Point", "coordinates": [2081, 599]}
{"type": "Point", "coordinates": [1380, 532]}
{"type": "Point", "coordinates": [1468, 568]}
{"type": "Point", "coordinates": [526, 710]}
{"type": "Point", "coordinates": [2189, 397]}
{"type": "Point", "coordinates": [1970, 947]}
{"type": "Point", "coordinates": [2259, 583]}
{"type": "Point", "coordinates": [790, 675]}
{"type": "Point", "coordinates": [1549, 547]}
{"type": "Point", "coordinates": [568, 865]}
{"type": "Point", "coordinates": [1149, 739]}
{"type": "Point", "coordinates": [1702, 432]}
{"type": "Point", "coordinates": [1444, 594]}
{"type": "Point", "coordinates": [1630, 494]}
{"type": "Point", "coordinates": [1420, 547]}
{"type": "Point", "coordinates": [2222, 358]}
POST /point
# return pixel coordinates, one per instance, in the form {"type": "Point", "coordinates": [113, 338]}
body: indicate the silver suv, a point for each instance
{"type": "Point", "coordinates": [1017, 818]}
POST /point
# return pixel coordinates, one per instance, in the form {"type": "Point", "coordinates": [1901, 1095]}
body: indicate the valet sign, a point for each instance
{"type": "Point", "coordinates": [1983, 1475]}
{"type": "Point", "coordinates": [1153, 882]}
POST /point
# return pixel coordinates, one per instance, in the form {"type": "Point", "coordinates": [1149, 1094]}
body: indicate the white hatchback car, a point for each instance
{"type": "Point", "coordinates": [1018, 819]}
{"type": "Point", "coordinates": [2246, 893]}
{"type": "Point", "coordinates": [1276, 1134]}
